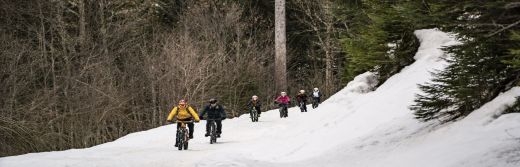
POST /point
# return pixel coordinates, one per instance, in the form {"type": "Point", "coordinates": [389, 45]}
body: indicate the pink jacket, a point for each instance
{"type": "Point", "coordinates": [283, 99]}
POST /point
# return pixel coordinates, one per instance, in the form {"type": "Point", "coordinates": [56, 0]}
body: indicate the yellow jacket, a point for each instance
{"type": "Point", "coordinates": [183, 113]}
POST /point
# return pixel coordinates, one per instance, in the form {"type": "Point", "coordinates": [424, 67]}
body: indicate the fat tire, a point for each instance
{"type": "Point", "coordinates": [254, 116]}
{"type": "Point", "coordinates": [180, 145]}
{"type": "Point", "coordinates": [213, 135]}
{"type": "Point", "coordinates": [178, 139]}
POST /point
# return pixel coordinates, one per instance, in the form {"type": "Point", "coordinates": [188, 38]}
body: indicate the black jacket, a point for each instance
{"type": "Point", "coordinates": [216, 112]}
{"type": "Point", "coordinates": [252, 104]}
{"type": "Point", "coordinates": [301, 97]}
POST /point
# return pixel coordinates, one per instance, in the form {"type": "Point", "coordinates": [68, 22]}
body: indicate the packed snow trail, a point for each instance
{"type": "Point", "coordinates": [355, 127]}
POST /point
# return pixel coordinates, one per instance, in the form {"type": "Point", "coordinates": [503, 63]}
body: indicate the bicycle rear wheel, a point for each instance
{"type": "Point", "coordinates": [186, 139]}
{"type": "Point", "coordinates": [185, 145]}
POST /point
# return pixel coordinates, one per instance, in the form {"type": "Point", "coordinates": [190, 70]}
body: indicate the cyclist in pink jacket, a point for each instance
{"type": "Point", "coordinates": [283, 102]}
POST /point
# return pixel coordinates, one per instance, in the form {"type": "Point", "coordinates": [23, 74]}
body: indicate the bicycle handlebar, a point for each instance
{"type": "Point", "coordinates": [183, 121]}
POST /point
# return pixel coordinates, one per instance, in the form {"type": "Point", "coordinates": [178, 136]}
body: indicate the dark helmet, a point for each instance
{"type": "Point", "coordinates": [212, 101]}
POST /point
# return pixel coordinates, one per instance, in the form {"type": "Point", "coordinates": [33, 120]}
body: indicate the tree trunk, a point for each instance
{"type": "Point", "coordinates": [82, 25]}
{"type": "Point", "coordinates": [104, 43]}
{"type": "Point", "coordinates": [280, 63]}
{"type": "Point", "coordinates": [328, 47]}
{"type": "Point", "coordinates": [329, 56]}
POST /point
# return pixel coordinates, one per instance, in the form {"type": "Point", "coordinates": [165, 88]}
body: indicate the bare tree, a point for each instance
{"type": "Point", "coordinates": [77, 73]}
{"type": "Point", "coordinates": [320, 20]}
{"type": "Point", "coordinates": [217, 59]}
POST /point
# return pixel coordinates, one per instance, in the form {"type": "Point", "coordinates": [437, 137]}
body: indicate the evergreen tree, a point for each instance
{"type": "Point", "coordinates": [466, 84]}
{"type": "Point", "coordinates": [381, 38]}
{"type": "Point", "coordinates": [515, 108]}
{"type": "Point", "coordinates": [515, 50]}
{"type": "Point", "coordinates": [477, 72]}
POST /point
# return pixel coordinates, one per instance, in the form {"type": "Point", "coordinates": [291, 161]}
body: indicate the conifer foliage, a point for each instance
{"type": "Point", "coordinates": [478, 69]}
{"type": "Point", "coordinates": [381, 38]}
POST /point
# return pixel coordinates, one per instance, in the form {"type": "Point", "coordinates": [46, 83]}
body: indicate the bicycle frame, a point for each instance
{"type": "Point", "coordinates": [284, 110]}
{"type": "Point", "coordinates": [182, 137]}
{"type": "Point", "coordinates": [254, 115]}
{"type": "Point", "coordinates": [315, 102]}
{"type": "Point", "coordinates": [213, 131]}
{"type": "Point", "coordinates": [302, 106]}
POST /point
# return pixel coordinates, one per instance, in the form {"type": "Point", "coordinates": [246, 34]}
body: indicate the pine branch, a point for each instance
{"type": "Point", "coordinates": [512, 5]}
{"type": "Point", "coordinates": [503, 29]}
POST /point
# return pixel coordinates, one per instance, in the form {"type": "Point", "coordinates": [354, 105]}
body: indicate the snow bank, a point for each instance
{"type": "Point", "coordinates": [363, 83]}
{"type": "Point", "coordinates": [358, 126]}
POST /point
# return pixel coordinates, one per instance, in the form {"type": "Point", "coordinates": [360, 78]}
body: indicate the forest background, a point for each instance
{"type": "Point", "coordinates": [77, 73]}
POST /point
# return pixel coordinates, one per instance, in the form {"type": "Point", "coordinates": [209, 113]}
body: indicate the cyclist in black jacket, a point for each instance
{"type": "Point", "coordinates": [302, 98]}
{"type": "Point", "coordinates": [215, 112]}
{"type": "Point", "coordinates": [254, 102]}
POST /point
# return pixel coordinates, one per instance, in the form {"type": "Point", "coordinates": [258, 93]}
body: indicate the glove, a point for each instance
{"type": "Point", "coordinates": [223, 118]}
{"type": "Point", "coordinates": [201, 117]}
{"type": "Point", "coordinates": [197, 121]}
{"type": "Point", "coordinates": [169, 121]}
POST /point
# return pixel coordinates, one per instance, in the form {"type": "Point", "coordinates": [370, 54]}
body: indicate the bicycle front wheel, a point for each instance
{"type": "Point", "coordinates": [180, 144]}
{"type": "Point", "coordinates": [213, 133]}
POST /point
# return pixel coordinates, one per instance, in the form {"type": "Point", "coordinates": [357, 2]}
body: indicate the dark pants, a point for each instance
{"type": "Point", "coordinates": [316, 99]}
{"type": "Point", "coordinates": [191, 127]}
{"type": "Point", "coordinates": [284, 107]}
{"type": "Point", "coordinates": [257, 110]}
{"type": "Point", "coordinates": [219, 126]}
{"type": "Point", "coordinates": [304, 107]}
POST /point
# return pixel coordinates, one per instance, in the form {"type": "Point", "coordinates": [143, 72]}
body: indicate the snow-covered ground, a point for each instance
{"type": "Point", "coordinates": [355, 127]}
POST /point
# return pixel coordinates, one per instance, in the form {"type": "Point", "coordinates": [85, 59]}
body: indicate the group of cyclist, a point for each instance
{"type": "Point", "coordinates": [214, 111]}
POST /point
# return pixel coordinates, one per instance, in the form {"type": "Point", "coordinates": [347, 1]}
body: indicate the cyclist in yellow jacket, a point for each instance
{"type": "Point", "coordinates": [184, 112]}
